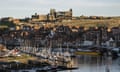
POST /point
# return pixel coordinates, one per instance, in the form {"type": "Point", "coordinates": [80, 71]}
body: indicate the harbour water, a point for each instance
{"type": "Point", "coordinates": [96, 64]}
{"type": "Point", "coordinates": [87, 63]}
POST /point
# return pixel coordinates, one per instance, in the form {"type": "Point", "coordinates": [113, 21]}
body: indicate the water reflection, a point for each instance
{"type": "Point", "coordinates": [87, 63]}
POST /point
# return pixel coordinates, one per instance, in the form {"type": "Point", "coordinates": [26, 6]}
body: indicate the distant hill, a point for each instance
{"type": "Point", "coordinates": [114, 22]}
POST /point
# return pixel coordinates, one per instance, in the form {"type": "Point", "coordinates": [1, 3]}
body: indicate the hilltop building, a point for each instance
{"type": "Point", "coordinates": [53, 16]}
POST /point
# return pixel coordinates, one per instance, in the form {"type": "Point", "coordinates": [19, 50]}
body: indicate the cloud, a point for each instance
{"type": "Point", "coordinates": [18, 7]}
{"type": "Point", "coordinates": [90, 3]}
{"type": "Point", "coordinates": [57, 3]}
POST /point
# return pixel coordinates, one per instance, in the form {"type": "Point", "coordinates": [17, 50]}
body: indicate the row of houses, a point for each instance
{"type": "Point", "coordinates": [98, 35]}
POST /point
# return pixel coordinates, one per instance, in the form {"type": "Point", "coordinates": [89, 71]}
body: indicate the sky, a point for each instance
{"type": "Point", "coordinates": [26, 8]}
